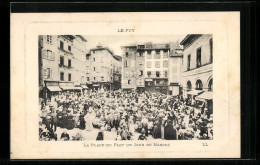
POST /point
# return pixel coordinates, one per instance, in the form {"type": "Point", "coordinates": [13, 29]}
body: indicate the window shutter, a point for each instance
{"type": "Point", "coordinates": [45, 73]}
{"type": "Point", "coordinates": [50, 73]}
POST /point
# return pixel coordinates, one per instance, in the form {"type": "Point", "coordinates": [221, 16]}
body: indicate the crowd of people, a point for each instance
{"type": "Point", "coordinates": [153, 115]}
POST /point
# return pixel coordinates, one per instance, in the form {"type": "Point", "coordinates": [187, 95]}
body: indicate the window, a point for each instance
{"type": "Point", "coordinates": [47, 73]}
{"type": "Point", "coordinates": [149, 56]}
{"type": "Point", "coordinates": [94, 59]}
{"type": "Point", "coordinates": [87, 57]}
{"type": "Point", "coordinates": [87, 69]}
{"type": "Point", "coordinates": [69, 48]}
{"type": "Point", "coordinates": [49, 39]}
{"type": "Point", "coordinates": [149, 74]}
{"type": "Point", "coordinates": [111, 78]}
{"type": "Point", "coordinates": [49, 54]}
{"type": "Point", "coordinates": [61, 45]}
{"type": "Point", "coordinates": [157, 74]}
{"type": "Point", "coordinates": [157, 51]}
{"type": "Point", "coordinates": [188, 63]}
{"type": "Point", "coordinates": [69, 63]}
{"type": "Point", "coordinates": [69, 77]}
{"type": "Point", "coordinates": [126, 54]}
{"type": "Point", "coordinates": [165, 64]}
{"type": "Point", "coordinates": [61, 76]}
{"type": "Point", "coordinates": [149, 64]}
{"type": "Point", "coordinates": [157, 55]}
{"type": "Point", "coordinates": [140, 73]}
{"type": "Point", "coordinates": [211, 50]}
{"type": "Point", "coordinates": [126, 64]}
{"type": "Point", "coordinates": [129, 82]}
{"type": "Point", "coordinates": [198, 57]}
{"type": "Point", "coordinates": [94, 68]}
{"type": "Point", "coordinates": [102, 78]}
{"type": "Point", "coordinates": [140, 54]}
{"type": "Point", "coordinates": [61, 60]}
{"type": "Point", "coordinates": [101, 59]}
{"type": "Point", "coordinates": [210, 86]}
{"type": "Point", "coordinates": [94, 78]}
{"type": "Point", "coordinates": [157, 64]}
{"type": "Point", "coordinates": [88, 79]}
{"type": "Point", "coordinates": [165, 73]}
{"type": "Point", "coordinates": [199, 85]}
{"type": "Point", "coordinates": [189, 85]}
{"type": "Point", "coordinates": [165, 54]}
{"type": "Point", "coordinates": [93, 51]}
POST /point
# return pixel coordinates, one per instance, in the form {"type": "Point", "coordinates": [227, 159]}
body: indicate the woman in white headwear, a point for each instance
{"type": "Point", "coordinates": [89, 120]}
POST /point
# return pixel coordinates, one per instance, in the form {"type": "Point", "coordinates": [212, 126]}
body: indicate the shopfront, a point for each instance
{"type": "Point", "coordinates": [156, 85]}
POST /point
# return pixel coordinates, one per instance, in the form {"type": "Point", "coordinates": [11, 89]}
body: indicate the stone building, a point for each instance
{"type": "Point", "coordinates": [104, 67]}
{"type": "Point", "coordinates": [129, 67]}
{"type": "Point", "coordinates": [175, 70]}
{"type": "Point", "coordinates": [156, 67]}
{"type": "Point", "coordinates": [146, 67]}
{"type": "Point", "coordinates": [197, 67]}
{"type": "Point", "coordinates": [61, 63]}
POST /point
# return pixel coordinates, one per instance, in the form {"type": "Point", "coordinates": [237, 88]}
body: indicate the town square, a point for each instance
{"type": "Point", "coordinates": [146, 91]}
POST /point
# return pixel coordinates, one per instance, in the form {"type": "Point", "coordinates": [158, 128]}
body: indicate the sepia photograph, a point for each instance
{"type": "Point", "coordinates": [100, 86]}
{"type": "Point", "coordinates": [119, 88]}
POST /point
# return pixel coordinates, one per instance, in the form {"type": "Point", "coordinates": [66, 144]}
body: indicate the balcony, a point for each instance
{"type": "Point", "coordinates": [65, 66]}
{"type": "Point", "coordinates": [65, 51]}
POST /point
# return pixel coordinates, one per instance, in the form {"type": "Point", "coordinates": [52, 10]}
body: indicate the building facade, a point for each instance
{"type": "Point", "coordinates": [61, 61]}
{"type": "Point", "coordinates": [198, 66]}
{"type": "Point", "coordinates": [175, 71]}
{"type": "Point", "coordinates": [156, 67]}
{"type": "Point", "coordinates": [146, 67]}
{"type": "Point", "coordinates": [129, 67]}
{"type": "Point", "coordinates": [103, 69]}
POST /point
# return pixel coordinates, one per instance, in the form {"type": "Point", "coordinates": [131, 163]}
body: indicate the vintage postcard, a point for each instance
{"type": "Point", "coordinates": [125, 85]}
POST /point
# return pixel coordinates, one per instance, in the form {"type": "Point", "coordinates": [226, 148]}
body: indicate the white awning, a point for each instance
{"type": "Point", "coordinates": [95, 85]}
{"type": "Point", "coordinates": [194, 92]}
{"type": "Point", "coordinates": [77, 88]}
{"type": "Point", "coordinates": [148, 79]}
{"type": "Point", "coordinates": [84, 86]}
{"type": "Point", "coordinates": [54, 88]}
{"type": "Point", "coordinates": [205, 96]}
{"type": "Point", "coordinates": [67, 87]}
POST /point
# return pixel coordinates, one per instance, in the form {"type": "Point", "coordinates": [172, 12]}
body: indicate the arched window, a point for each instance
{"type": "Point", "coordinates": [210, 86]}
{"type": "Point", "coordinates": [189, 85]}
{"type": "Point", "coordinates": [199, 85]}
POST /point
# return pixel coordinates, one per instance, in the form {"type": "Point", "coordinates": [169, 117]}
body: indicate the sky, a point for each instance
{"type": "Point", "coordinates": [114, 42]}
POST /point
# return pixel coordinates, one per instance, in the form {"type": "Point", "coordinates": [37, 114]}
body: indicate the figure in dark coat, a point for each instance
{"type": "Point", "coordinates": [81, 122]}
{"type": "Point", "coordinates": [157, 130]}
{"type": "Point", "coordinates": [170, 133]}
{"type": "Point", "coordinates": [54, 121]}
{"type": "Point", "coordinates": [100, 136]}
{"type": "Point", "coordinates": [70, 123]}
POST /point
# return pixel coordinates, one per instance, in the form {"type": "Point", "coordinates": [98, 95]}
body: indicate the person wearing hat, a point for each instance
{"type": "Point", "coordinates": [54, 120]}
{"type": "Point", "coordinates": [157, 129]}
{"type": "Point", "coordinates": [65, 136]}
{"type": "Point", "coordinates": [144, 123]}
{"type": "Point", "coordinates": [142, 136]}
{"type": "Point", "coordinates": [125, 135]}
